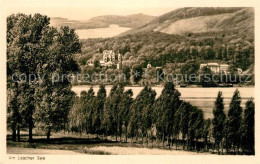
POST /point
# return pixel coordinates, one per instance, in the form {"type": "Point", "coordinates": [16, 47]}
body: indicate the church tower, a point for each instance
{"type": "Point", "coordinates": [119, 64]}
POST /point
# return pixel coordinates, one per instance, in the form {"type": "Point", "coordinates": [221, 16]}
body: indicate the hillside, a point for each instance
{"type": "Point", "coordinates": [181, 40]}
{"type": "Point", "coordinates": [131, 21]}
{"type": "Point", "coordinates": [199, 20]}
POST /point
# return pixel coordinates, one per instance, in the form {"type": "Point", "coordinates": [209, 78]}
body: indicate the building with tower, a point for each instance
{"type": "Point", "coordinates": [110, 59]}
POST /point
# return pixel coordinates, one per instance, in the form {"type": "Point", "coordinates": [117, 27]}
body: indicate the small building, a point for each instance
{"type": "Point", "coordinates": [149, 65]}
{"type": "Point", "coordinates": [214, 67]}
{"type": "Point", "coordinates": [224, 68]}
{"type": "Point", "coordinates": [108, 55]}
{"type": "Point", "coordinates": [110, 59]}
{"type": "Point", "coordinates": [239, 71]}
{"type": "Point", "coordinates": [102, 62]}
{"type": "Point", "coordinates": [202, 65]}
{"type": "Point", "coordinates": [90, 62]}
{"type": "Point", "coordinates": [119, 64]}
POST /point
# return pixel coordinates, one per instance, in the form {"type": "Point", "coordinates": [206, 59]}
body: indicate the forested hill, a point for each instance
{"type": "Point", "coordinates": [198, 20]}
{"type": "Point", "coordinates": [181, 36]}
{"type": "Point", "coordinates": [131, 21]}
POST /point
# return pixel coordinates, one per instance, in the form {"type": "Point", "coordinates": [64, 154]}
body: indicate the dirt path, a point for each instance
{"type": "Point", "coordinates": [140, 151]}
{"type": "Point", "coordinates": [16, 150]}
{"type": "Point", "coordinates": [114, 150]}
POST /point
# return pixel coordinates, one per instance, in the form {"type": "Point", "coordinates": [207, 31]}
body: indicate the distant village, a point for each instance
{"type": "Point", "coordinates": [110, 59]}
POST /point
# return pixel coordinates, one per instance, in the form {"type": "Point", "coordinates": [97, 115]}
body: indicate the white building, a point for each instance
{"type": "Point", "coordinates": [224, 68]}
{"type": "Point", "coordinates": [149, 65]}
{"type": "Point", "coordinates": [108, 55]}
{"type": "Point", "coordinates": [109, 59]}
{"type": "Point", "coordinates": [216, 68]}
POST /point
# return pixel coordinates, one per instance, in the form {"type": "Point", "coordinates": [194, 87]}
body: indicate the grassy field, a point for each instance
{"type": "Point", "coordinates": [86, 144]}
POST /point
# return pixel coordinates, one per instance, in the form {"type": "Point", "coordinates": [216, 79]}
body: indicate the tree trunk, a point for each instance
{"type": "Point", "coordinates": [15, 113]}
{"type": "Point", "coordinates": [163, 139]}
{"type": "Point", "coordinates": [116, 136]}
{"type": "Point", "coordinates": [48, 134]}
{"type": "Point", "coordinates": [14, 133]}
{"type": "Point", "coordinates": [120, 134]}
{"type": "Point", "coordinates": [147, 137]}
{"type": "Point", "coordinates": [237, 149]}
{"type": "Point", "coordinates": [142, 138]}
{"type": "Point", "coordinates": [176, 142]}
{"type": "Point", "coordinates": [18, 133]}
{"type": "Point", "coordinates": [222, 147]}
{"type": "Point", "coordinates": [152, 139]}
{"type": "Point", "coordinates": [196, 146]}
{"type": "Point", "coordinates": [64, 127]}
{"type": "Point", "coordinates": [30, 121]}
{"type": "Point", "coordinates": [30, 131]}
{"type": "Point", "coordinates": [183, 142]}
{"type": "Point", "coordinates": [169, 142]}
{"type": "Point", "coordinates": [126, 135]}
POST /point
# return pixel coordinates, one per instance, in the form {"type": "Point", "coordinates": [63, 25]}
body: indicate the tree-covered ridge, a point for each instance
{"type": "Point", "coordinates": [131, 21]}
{"type": "Point", "coordinates": [230, 47]}
{"type": "Point", "coordinates": [166, 20]}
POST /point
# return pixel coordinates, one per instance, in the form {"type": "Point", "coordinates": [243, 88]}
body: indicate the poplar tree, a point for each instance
{"type": "Point", "coordinates": [89, 108]}
{"type": "Point", "coordinates": [234, 121]}
{"type": "Point", "coordinates": [138, 114]}
{"type": "Point", "coordinates": [218, 121]}
{"type": "Point", "coordinates": [147, 112]}
{"type": "Point", "coordinates": [124, 111]}
{"type": "Point", "coordinates": [111, 117]}
{"type": "Point", "coordinates": [165, 108]}
{"type": "Point", "coordinates": [195, 126]}
{"type": "Point", "coordinates": [99, 109]}
{"type": "Point", "coordinates": [248, 129]}
{"type": "Point", "coordinates": [108, 113]}
{"type": "Point", "coordinates": [207, 132]}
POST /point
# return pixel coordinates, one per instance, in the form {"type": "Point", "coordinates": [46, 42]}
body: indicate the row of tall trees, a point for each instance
{"type": "Point", "coordinates": [145, 117]}
{"type": "Point", "coordinates": [167, 119]}
{"type": "Point", "coordinates": [234, 131]}
{"type": "Point", "coordinates": [37, 52]}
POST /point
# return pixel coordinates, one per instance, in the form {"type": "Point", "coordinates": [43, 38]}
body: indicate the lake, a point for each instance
{"type": "Point", "coordinates": [111, 31]}
{"type": "Point", "coordinates": [203, 98]}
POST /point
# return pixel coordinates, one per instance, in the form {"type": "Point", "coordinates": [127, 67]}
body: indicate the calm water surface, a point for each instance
{"type": "Point", "coordinates": [110, 31]}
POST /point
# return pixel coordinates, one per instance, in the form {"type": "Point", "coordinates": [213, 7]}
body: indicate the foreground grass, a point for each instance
{"type": "Point", "coordinates": [83, 144]}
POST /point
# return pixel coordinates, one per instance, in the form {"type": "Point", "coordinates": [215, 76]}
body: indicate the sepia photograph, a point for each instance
{"type": "Point", "coordinates": [120, 77]}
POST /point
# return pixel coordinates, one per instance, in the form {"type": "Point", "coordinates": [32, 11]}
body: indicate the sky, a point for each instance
{"type": "Point", "coordinates": [86, 9]}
